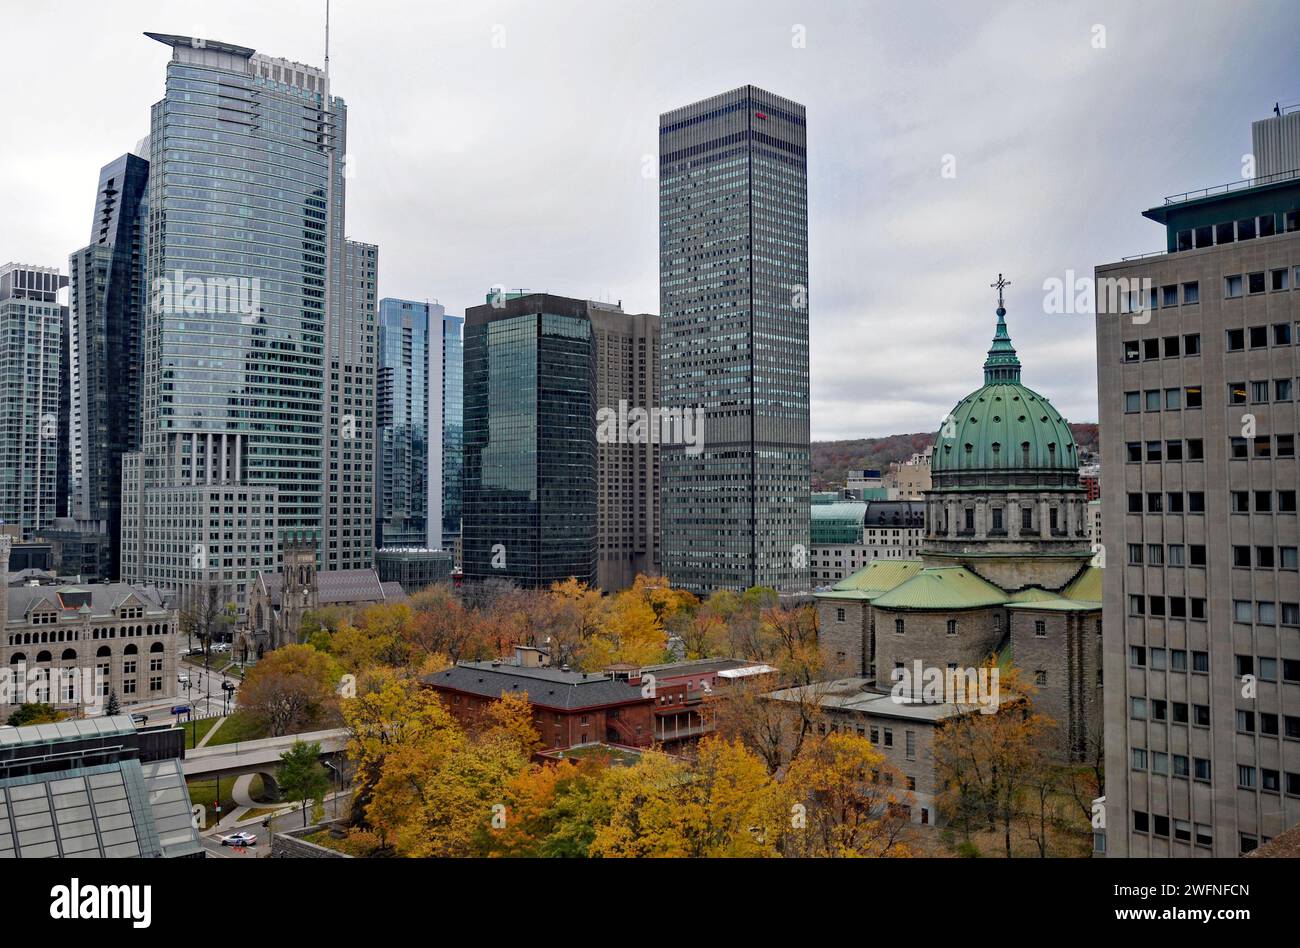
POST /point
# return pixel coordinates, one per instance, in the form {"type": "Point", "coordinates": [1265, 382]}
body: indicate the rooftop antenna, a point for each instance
{"type": "Point", "coordinates": [327, 37]}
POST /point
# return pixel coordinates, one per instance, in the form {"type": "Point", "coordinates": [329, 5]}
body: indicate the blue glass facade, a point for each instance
{"type": "Point", "coordinates": [108, 294]}
{"type": "Point", "coordinates": [453, 427]}
{"type": "Point", "coordinates": [401, 509]}
{"type": "Point", "coordinates": [530, 442]}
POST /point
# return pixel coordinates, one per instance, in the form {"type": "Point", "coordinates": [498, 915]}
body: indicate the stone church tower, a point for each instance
{"type": "Point", "coordinates": [299, 591]}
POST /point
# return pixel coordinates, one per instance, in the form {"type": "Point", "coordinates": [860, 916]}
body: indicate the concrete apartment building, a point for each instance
{"type": "Point", "coordinates": [1196, 374]}
{"type": "Point", "coordinates": [627, 501]}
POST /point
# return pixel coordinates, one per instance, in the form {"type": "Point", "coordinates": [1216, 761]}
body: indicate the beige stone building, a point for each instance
{"type": "Point", "coordinates": [627, 469]}
{"type": "Point", "coordinates": [1196, 370]}
{"type": "Point", "coordinates": [910, 478]}
{"type": "Point", "coordinates": [71, 646]}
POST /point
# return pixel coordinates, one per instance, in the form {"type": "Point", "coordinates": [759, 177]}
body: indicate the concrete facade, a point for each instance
{"type": "Point", "coordinates": [1199, 480]}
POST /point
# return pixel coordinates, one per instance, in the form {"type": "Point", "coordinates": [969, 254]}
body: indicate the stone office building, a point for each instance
{"type": "Point", "coordinates": [70, 646]}
{"type": "Point", "coordinates": [1199, 480]}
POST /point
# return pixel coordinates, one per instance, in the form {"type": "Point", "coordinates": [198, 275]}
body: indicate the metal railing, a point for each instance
{"type": "Point", "coordinates": [1231, 186]}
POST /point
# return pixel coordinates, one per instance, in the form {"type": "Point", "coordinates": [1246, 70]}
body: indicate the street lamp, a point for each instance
{"type": "Point", "coordinates": [338, 783]}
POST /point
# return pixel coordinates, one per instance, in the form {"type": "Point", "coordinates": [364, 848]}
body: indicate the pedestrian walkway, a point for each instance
{"type": "Point", "coordinates": [212, 730]}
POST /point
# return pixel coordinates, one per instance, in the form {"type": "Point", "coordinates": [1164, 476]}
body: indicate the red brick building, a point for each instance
{"type": "Point", "coordinates": [627, 705]}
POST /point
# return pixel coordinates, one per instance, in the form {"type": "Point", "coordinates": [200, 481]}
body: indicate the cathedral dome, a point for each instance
{"type": "Point", "coordinates": [1004, 428]}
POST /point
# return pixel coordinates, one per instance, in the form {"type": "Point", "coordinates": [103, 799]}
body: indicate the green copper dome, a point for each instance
{"type": "Point", "coordinates": [1004, 426]}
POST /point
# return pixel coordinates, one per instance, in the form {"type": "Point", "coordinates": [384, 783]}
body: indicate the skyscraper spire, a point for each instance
{"type": "Point", "coordinates": [1002, 365]}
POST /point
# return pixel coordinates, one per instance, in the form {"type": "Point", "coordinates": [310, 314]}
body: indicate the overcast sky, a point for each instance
{"type": "Point", "coordinates": [511, 143]}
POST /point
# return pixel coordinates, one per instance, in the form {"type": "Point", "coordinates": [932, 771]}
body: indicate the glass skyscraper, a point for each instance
{"type": "Point", "coordinates": [418, 487]}
{"type": "Point", "coordinates": [733, 260]}
{"type": "Point", "coordinates": [107, 295]}
{"type": "Point", "coordinates": [402, 482]}
{"type": "Point", "coordinates": [453, 427]}
{"type": "Point", "coordinates": [530, 441]}
{"type": "Point", "coordinates": [256, 303]}
{"type": "Point", "coordinates": [33, 328]}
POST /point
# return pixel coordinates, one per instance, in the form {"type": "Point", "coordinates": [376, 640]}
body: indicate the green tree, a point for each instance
{"type": "Point", "coordinates": [301, 776]}
{"type": "Point", "coordinates": [113, 706]}
{"type": "Point", "coordinates": [34, 713]}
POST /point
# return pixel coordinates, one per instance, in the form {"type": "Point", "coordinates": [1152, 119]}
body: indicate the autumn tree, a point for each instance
{"type": "Point", "coordinates": [842, 798]}
{"type": "Point", "coordinates": [292, 689]}
{"type": "Point", "coordinates": [442, 625]}
{"type": "Point", "coordinates": [986, 763]}
{"type": "Point", "coordinates": [394, 730]}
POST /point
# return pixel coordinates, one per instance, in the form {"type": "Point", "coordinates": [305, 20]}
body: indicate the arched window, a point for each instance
{"type": "Point", "coordinates": [156, 647]}
{"type": "Point", "coordinates": [44, 657]}
{"type": "Point", "coordinates": [104, 652]}
{"type": "Point", "coordinates": [17, 658]}
{"type": "Point", "coordinates": [131, 650]}
{"type": "Point", "coordinates": [1024, 452]}
{"type": "Point", "coordinates": [69, 655]}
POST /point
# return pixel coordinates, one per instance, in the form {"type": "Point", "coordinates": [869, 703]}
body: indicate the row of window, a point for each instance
{"type": "Point", "coordinates": [1258, 282]}
{"type": "Point", "coordinates": [1228, 232]}
{"type": "Point", "coordinates": [1172, 347]}
{"type": "Point", "coordinates": [1245, 557]}
{"type": "Point", "coordinates": [1262, 612]}
{"type": "Point", "coordinates": [1193, 449]}
{"type": "Point", "coordinates": [1193, 502]}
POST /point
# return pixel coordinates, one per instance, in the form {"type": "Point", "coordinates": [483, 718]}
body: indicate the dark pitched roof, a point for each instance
{"type": "Point", "coordinates": [339, 586]}
{"type": "Point", "coordinates": [101, 598]}
{"type": "Point", "coordinates": [548, 687]}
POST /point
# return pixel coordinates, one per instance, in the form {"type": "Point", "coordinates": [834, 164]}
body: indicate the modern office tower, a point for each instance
{"type": "Point", "coordinates": [453, 428]}
{"type": "Point", "coordinates": [350, 481]}
{"type": "Point", "coordinates": [530, 441]}
{"type": "Point", "coordinates": [251, 308]}
{"type": "Point", "coordinates": [627, 381]}
{"type": "Point", "coordinates": [417, 488]}
{"type": "Point", "coordinates": [108, 292]}
{"type": "Point", "coordinates": [33, 327]}
{"type": "Point", "coordinates": [1199, 482]}
{"type": "Point", "coordinates": [405, 451]}
{"type": "Point", "coordinates": [733, 264]}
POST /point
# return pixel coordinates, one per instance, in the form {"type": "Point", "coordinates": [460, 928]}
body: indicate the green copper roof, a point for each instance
{"type": "Point", "coordinates": [877, 577]}
{"type": "Point", "coordinates": [1085, 587]}
{"type": "Point", "coordinates": [1033, 594]}
{"type": "Point", "coordinates": [943, 587]}
{"type": "Point", "coordinates": [1002, 365]}
{"type": "Point", "coordinates": [1004, 426]}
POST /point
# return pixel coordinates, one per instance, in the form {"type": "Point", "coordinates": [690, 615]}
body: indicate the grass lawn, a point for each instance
{"type": "Point", "coordinates": [238, 727]}
{"type": "Point", "coordinates": [261, 811]}
{"type": "Point", "coordinates": [194, 731]}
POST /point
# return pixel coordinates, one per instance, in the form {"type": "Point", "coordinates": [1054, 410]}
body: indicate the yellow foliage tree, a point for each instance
{"type": "Point", "coordinates": [841, 800]}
